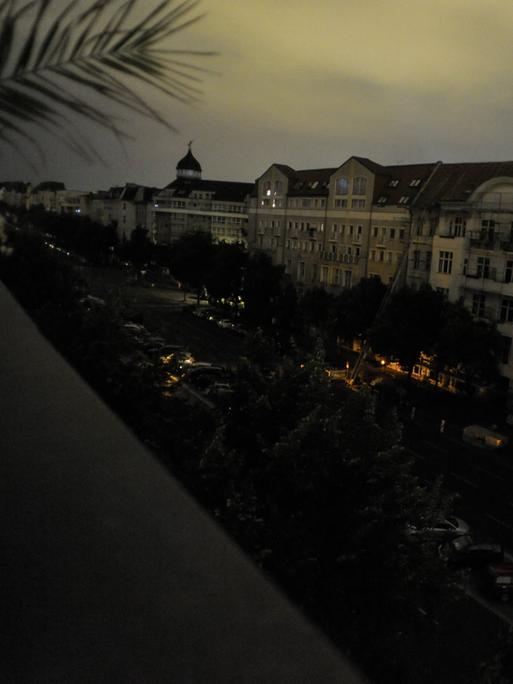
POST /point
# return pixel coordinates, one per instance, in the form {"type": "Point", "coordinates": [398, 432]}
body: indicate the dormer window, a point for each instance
{"type": "Point", "coordinates": [359, 185]}
{"type": "Point", "coordinates": [404, 199]}
{"type": "Point", "coordinates": [415, 182]}
{"type": "Point", "coordinates": [314, 185]}
{"type": "Point", "coordinates": [342, 186]}
{"type": "Point", "coordinates": [393, 183]}
{"type": "Point", "coordinates": [382, 199]}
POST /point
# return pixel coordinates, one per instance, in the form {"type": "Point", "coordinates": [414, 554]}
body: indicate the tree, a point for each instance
{"type": "Point", "coordinates": [191, 259]}
{"type": "Point", "coordinates": [316, 486]}
{"type": "Point", "coordinates": [316, 307]}
{"type": "Point", "coordinates": [262, 287]}
{"type": "Point", "coordinates": [356, 308]}
{"type": "Point", "coordinates": [225, 276]}
{"type": "Point", "coordinates": [88, 53]}
{"type": "Point", "coordinates": [138, 249]}
{"type": "Point", "coordinates": [473, 345]}
{"type": "Point", "coordinates": [408, 325]}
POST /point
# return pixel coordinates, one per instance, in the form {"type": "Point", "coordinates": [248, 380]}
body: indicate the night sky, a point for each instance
{"type": "Point", "coordinates": [311, 83]}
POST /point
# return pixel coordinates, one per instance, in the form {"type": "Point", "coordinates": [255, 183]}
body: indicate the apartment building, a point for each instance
{"type": "Point", "coordinates": [465, 219]}
{"type": "Point", "coordinates": [126, 207]}
{"type": "Point", "coordinates": [332, 227]}
{"type": "Point", "coordinates": [190, 203]}
{"type": "Point", "coordinates": [453, 223]}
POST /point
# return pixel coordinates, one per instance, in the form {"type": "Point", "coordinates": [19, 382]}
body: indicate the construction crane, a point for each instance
{"type": "Point", "coordinates": [399, 275]}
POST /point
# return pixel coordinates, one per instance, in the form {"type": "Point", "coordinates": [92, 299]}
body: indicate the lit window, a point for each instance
{"type": "Point", "coordinates": [342, 187]}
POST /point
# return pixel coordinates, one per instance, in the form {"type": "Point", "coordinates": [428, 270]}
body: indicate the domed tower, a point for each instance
{"type": "Point", "coordinates": [189, 167]}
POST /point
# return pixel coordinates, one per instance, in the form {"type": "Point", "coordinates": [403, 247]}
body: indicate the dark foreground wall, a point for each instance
{"type": "Point", "coordinates": [112, 573]}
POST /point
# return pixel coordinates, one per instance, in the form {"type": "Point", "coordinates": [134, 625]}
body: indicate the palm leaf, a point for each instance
{"type": "Point", "coordinates": [60, 68]}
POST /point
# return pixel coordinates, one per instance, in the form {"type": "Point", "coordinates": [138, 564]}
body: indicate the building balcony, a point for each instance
{"type": "Point", "coordinates": [492, 241]}
{"type": "Point", "coordinates": [113, 572]}
{"type": "Point", "coordinates": [340, 258]}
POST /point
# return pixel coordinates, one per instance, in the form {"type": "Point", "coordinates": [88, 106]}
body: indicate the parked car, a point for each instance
{"type": "Point", "coordinates": [497, 581]}
{"type": "Point", "coordinates": [219, 389]}
{"type": "Point", "coordinates": [206, 313]}
{"type": "Point", "coordinates": [482, 437]}
{"type": "Point", "coordinates": [443, 530]}
{"type": "Point", "coordinates": [90, 302]}
{"type": "Point", "coordinates": [225, 323]}
{"type": "Point", "coordinates": [205, 377]}
{"type": "Point", "coordinates": [462, 553]}
{"type": "Point", "coordinates": [198, 369]}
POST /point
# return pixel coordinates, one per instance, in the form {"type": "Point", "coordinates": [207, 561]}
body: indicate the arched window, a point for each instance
{"type": "Point", "coordinates": [359, 185]}
{"type": "Point", "coordinates": [342, 185]}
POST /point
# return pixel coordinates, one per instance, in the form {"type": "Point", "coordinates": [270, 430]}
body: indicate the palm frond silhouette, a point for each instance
{"type": "Point", "coordinates": [62, 67]}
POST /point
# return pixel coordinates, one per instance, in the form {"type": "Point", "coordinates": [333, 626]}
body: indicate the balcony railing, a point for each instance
{"type": "Point", "coordinates": [113, 573]}
{"type": "Point", "coordinates": [340, 258]}
{"type": "Point", "coordinates": [492, 240]}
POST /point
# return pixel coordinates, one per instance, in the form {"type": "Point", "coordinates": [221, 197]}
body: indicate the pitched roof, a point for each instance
{"type": "Point", "coordinates": [368, 163]}
{"type": "Point", "coordinates": [306, 182]}
{"type": "Point", "coordinates": [52, 186]}
{"type": "Point", "coordinates": [400, 181]}
{"type": "Point", "coordinates": [230, 191]}
{"type": "Point", "coordinates": [456, 182]}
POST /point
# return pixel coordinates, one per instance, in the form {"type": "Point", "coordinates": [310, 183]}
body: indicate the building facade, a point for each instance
{"type": "Point", "coordinates": [465, 219]}
{"type": "Point", "coordinates": [190, 203]}
{"type": "Point", "coordinates": [452, 223]}
{"type": "Point", "coordinates": [333, 227]}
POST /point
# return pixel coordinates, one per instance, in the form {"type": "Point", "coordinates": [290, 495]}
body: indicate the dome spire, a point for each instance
{"type": "Point", "coordinates": [188, 166]}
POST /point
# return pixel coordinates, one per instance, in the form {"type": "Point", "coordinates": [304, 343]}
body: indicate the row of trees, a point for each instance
{"type": "Point", "coordinates": [413, 321]}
